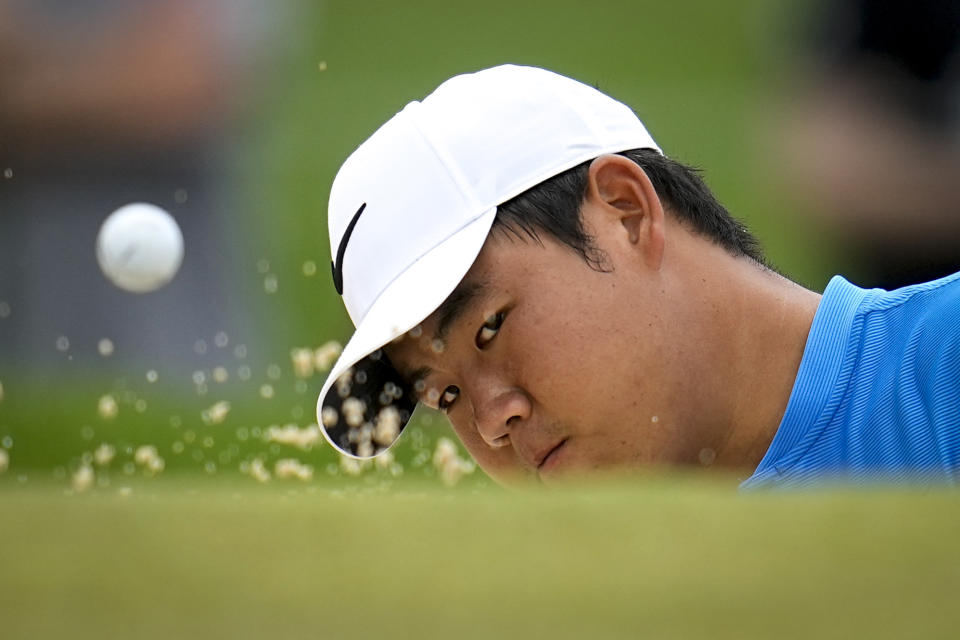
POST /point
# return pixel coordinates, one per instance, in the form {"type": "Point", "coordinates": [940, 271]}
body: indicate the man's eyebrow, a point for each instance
{"type": "Point", "coordinates": [453, 308]}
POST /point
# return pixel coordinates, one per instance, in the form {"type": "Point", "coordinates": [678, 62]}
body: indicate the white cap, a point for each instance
{"type": "Point", "coordinates": [411, 208]}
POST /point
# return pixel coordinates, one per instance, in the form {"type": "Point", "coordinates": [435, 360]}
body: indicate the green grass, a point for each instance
{"type": "Point", "coordinates": [659, 558]}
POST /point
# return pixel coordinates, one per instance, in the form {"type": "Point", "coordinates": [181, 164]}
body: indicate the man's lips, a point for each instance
{"type": "Point", "coordinates": [550, 455]}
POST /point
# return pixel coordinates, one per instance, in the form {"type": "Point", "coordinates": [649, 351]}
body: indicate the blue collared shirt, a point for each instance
{"type": "Point", "coordinates": [877, 394]}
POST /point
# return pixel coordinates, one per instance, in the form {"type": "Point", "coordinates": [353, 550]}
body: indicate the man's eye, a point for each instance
{"type": "Point", "coordinates": [447, 398]}
{"type": "Point", "coordinates": [489, 329]}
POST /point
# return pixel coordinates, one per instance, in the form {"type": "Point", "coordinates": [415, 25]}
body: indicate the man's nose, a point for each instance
{"type": "Point", "coordinates": [498, 411]}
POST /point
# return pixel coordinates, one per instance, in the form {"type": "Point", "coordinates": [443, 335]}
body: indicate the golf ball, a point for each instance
{"type": "Point", "coordinates": [139, 247]}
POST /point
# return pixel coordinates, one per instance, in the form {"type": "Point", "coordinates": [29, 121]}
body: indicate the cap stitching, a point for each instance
{"type": "Point", "coordinates": [450, 166]}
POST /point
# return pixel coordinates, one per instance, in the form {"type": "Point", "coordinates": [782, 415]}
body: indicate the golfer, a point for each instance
{"type": "Point", "coordinates": [517, 251]}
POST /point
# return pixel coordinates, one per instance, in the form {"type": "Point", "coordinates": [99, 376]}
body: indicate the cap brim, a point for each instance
{"type": "Point", "coordinates": [363, 374]}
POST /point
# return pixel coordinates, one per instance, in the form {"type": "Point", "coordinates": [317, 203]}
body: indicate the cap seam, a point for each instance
{"type": "Point", "coordinates": [570, 104]}
{"type": "Point", "coordinates": [452, 168]}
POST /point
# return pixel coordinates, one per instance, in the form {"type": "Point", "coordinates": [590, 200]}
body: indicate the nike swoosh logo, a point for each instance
{"type": "Point", "coordinates": [337, 265]}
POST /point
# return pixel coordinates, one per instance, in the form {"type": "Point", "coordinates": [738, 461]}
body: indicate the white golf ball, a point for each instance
{"type": "Point", "coordinates": [139, 247]}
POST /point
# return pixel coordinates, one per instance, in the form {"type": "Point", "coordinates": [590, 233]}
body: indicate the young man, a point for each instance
{"type": "Point", "coordinates": [516, 251]}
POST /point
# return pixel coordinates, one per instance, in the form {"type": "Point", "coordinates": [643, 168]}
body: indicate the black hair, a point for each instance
{"type": "Point", "coordinates": [553, 207]}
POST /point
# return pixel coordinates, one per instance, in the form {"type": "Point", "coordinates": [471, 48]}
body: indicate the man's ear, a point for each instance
{"type": "Point", "coordinates": [622, 196]}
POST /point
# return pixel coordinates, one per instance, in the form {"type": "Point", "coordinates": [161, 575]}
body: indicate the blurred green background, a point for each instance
{"type": "Point", "coordinates": [202, 549]}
